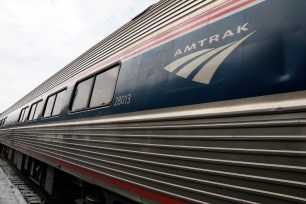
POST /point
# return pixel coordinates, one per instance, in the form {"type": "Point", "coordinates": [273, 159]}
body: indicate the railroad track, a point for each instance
{"type": "Point", "coordinates": [28, 192]}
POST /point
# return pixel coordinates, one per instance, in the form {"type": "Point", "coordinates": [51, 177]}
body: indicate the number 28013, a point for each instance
{"type": "Point", "coordinates": [123, 100]}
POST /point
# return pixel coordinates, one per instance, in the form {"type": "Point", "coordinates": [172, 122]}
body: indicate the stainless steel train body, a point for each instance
{"type": "Point", "coordinates": [206, 105]}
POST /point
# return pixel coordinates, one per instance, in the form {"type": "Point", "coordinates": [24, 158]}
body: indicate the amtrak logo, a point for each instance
{"type": "Point", "coordinates": [194, 60]}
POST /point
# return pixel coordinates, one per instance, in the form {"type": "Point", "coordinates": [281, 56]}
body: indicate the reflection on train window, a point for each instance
{"type": "Point", "coordinates": [82, 94]}
{"type": "Point", "coordinates": [59, 103]}
{"type": "Point", "coordinates": [49, 106]}
{"type": "Point", "coordinates": [54, 104]}
{"type": "Point", "coordinates": [23, 114]}
{"type": "Point", "coordinates": [38, 110]}
{"type": "Point", "coordinates": [104, 87]}
{"type": "Point", "coordinates": [96, 91]}
{"type": "Point", "coordinates": [35, 110]}
{"type": "Point", "coordinates": [2, 121]}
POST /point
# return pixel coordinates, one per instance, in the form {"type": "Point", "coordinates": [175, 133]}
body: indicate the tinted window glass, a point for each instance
{"type": "Point", "coordinates": [33, 108]}
{"type": "Point", "coordinates": [104, 87]}
{"type": "Point", "coordinates": [49, 106]}
{"type": "Point", "coordinates": [82, 94]}
{"type": "Point", "coordinates": [2, 122]}
{"type": "Point", "coordinates": [39, 108]}
{"type": "Point", "coordinates": [59, 103]}
{"type": "Point", "coordinates": [26, 111]}
{"type": "Point", "coordinates": [21, 115]}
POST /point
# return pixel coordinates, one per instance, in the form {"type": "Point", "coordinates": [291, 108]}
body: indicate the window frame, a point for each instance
{"type": "Point", "coordinates": [93, 75]}
{"type": "Point", "coordinates": [41, 109]}
{"type": "Point", "coordinates": [62, 102]}
{"type": "Point", "coordinates": [24, 112]}
{"type": "Point", "coordinates": [21, 113]}
{"type": "Point", "coordinates": [37, 102]}
{"type": "Point", "coordinates": [31, 110]}
{"type": "Point", "coordinates": [75, 91]}
{"type": "Point", "coordinates": [3, 121]}
{"type": "Point", "coordinates": [46, 103]}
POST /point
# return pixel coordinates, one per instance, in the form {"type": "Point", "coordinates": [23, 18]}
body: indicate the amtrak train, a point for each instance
{"type": "Point", "coordinates": [192, 101]}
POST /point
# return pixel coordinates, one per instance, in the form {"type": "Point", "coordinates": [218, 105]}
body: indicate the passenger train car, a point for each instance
{"type": "Point", "coordinates": [192, 101]}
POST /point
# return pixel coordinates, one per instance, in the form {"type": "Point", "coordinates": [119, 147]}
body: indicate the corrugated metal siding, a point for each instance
{"type": "Point", "coordinates": [156, 17]}
{"type": "Point", "coordinates": [247, 160]}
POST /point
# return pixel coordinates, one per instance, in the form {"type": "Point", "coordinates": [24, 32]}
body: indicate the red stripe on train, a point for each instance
{"type": "Point", "coordinates": [189, 28]}
{"type": "Point", "coordinates": [124, 185]}
{"type": "Point", "coordinates": [142, 47]}
{"type": "Point", "coordinates": [137, 49]}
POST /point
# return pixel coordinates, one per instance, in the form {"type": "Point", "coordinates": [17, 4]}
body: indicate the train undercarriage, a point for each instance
{"type": "Point", "coordinates": [58, 186]}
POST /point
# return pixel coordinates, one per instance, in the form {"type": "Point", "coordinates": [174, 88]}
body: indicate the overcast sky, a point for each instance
{"type": "Point", "coordinates": [39, 37]}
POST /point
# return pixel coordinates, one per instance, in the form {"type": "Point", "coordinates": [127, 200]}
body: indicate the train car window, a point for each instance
{"type": "Point", "coordinates": [2, 122]}
{"type": "Point", "coordinates": [36, 109]}
{"type": "Point", "coordinates": [49, 107]}
{"type": "Point", "coordinates": [96, 91]}
{"type": "Point", "coordinates": [32, 112]}
{"type": "Point", "coordinates": [54, 104]}
{"type": "Point", "coordinates": [23, 114]}
{"type": "Point", "coordinates": [39, 108]}
{"type": "Point", "coordinates": [82, 94]}
{"type": "Point", "coordinates": [58, 103]}
{"type": "Point", "coordinates": [104, 87]}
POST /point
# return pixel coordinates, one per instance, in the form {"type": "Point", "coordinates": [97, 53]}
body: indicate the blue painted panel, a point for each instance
{"type": "Point", "coordinates": [271, 61]}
